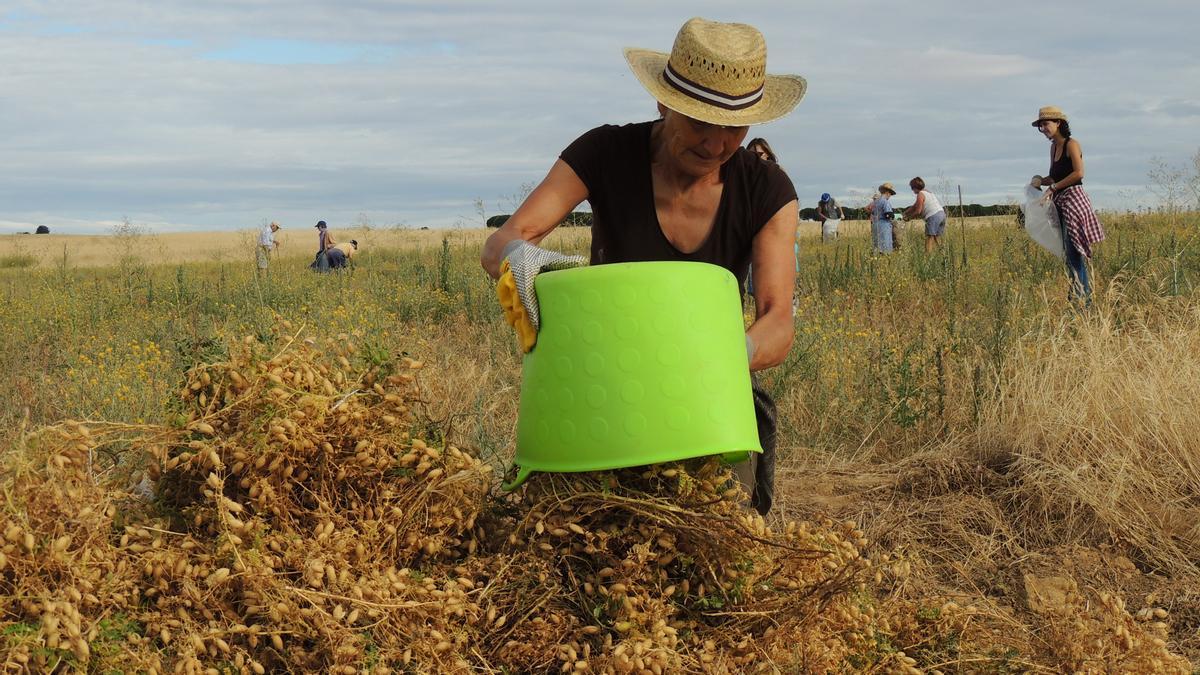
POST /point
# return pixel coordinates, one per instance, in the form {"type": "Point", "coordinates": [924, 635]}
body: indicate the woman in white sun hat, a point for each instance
{"type": "Point", "coordinates": [681, 187]}
{"type": "Point", "coordinates": [1080, 226]}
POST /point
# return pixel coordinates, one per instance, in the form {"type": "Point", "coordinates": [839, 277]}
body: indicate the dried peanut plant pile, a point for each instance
{"type": "Point", "coordinates": [292, 522]}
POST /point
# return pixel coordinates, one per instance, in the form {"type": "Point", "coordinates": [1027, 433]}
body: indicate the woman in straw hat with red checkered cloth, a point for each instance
{"type": "Point", "coordinates": [1080, 226]}
{"type": "Point", "coordinates": [681, 187]}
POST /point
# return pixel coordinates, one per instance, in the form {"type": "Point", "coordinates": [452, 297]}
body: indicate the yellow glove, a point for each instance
{"type": "Point", "coordinates": [522, 263]}
{"type": "Point", "coordinates": [514, 311]}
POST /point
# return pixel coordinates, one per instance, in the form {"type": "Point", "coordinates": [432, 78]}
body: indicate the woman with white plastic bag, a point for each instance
{"type": "Point", "coordinates": [1080, 228]}
{"type": "Point", "coordinates": [1041, 221]}
{"type": "Point", "coordinates": [830, 213]}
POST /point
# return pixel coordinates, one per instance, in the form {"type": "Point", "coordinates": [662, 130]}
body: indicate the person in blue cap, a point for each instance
{"type": "Point", "coordinates": [830, 213]}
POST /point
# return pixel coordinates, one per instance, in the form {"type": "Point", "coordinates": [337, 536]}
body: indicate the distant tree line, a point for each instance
{"type": "Point", "coordinates": [574, 219]}
{"type": "Point", "coordinates": [584, 218]}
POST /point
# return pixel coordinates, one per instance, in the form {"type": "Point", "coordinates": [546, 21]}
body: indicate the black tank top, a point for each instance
{"type": "Point", "coordinates": [1062, 167]}
{"type": "Point", "coordinates": [614, 163]}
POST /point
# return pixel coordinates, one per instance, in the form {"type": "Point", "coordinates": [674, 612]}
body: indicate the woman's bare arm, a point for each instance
{"type": "Point", "coordinates": [912, 211]}
{"type": "Point", "coordinates": [1076, 176]}
{"type": "Point", "coordinates": [774, 282]}
{"type": "Point", "coordinates": [557, 195]}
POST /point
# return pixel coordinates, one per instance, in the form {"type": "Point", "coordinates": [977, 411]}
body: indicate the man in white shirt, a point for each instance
{"type": "Point", "coordinates": [266, 244]}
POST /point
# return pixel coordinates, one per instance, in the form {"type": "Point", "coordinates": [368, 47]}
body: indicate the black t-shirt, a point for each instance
{"type": "Point", "coordinates": [614, 163]}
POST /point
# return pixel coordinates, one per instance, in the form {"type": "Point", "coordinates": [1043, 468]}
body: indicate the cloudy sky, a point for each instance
{"type": "Point", "coordinates": [185, 115]}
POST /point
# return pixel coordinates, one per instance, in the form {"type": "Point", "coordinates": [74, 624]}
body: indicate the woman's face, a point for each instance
{"type": "Point", "coordinates": [760, 151]}
{"type": "Point", "coordinates": [1049, 128]}
{"type": "Point", "coordinates": [698, 148]}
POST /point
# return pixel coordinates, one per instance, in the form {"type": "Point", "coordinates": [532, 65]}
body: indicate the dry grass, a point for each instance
{"type": "Point", "coordinates": [1099, 416]}
{"type": "Point", "coordinates": [235, 246]}
{"type": "Point", "coordinates": [48, 251]}
{"type": "Point", "coordinates": [1077, 496]}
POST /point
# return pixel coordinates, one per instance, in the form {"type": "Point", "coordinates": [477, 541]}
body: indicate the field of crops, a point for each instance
{"type": "Point", "coordinates": [975, 475]}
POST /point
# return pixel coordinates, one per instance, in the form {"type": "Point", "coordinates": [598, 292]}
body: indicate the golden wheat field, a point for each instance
{"type": "Point", "coordinates": [43, 251]}
{"type": "Point", "coordinates": [219, 247]}
{"type": "Point", "coordinates": [211, 470]}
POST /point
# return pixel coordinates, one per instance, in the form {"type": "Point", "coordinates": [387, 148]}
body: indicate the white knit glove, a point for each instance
{"type": "Point", "coordinates": [527, 261]}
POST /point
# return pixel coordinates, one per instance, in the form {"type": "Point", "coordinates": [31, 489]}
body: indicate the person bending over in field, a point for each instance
{"type": "Point", "coordinates": [681, 187]}
{"type": "Point", "coordinates": [341, 254]}
{"type": "Point", "coordinates": [928, 207]}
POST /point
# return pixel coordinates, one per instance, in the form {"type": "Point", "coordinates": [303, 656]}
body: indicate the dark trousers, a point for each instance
{"type": "Point", "coordinates": [757, 474]}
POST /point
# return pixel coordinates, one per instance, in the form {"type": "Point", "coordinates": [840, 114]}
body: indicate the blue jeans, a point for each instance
{"type": "Point", "coordinates": [1081, 288]}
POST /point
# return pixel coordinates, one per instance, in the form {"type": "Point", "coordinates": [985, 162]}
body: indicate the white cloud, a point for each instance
{"type": "Point", "coordinates": [112, 108]}
{"type": "Point", "coordinates": [963, 66]}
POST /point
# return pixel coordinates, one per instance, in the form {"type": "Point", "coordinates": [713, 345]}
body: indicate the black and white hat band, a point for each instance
{"type": "Point", "coordinates": [710, 96]}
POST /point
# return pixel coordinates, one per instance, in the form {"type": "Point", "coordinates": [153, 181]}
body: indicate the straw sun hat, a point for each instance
{"type": "Point", "coordinates": [1050, 112]}
{"type": "Point", "coordinates": [887, 187]}
{"type": "Point", "coordinates": [717, 73]}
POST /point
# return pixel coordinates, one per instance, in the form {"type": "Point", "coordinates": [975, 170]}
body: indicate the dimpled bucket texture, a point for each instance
{"type": "Point", "coordinates": [635, 363]}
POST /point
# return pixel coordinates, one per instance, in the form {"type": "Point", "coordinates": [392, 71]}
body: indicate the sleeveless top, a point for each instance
{"type": "Point", "coordinates": [614, 164]}
{"type": "Point", "coordinates": [930, 206]}
{"type": "Point", "coordinates": [1062, 167]}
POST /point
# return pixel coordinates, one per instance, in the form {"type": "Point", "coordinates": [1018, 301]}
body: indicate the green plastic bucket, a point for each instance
{"type": "Point", "coordinates": [635, 363]}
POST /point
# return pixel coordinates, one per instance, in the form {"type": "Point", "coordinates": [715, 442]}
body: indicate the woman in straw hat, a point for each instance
{"type": "Point", "coordinates": [1080, 226]}
{"type": "Point", "coordinates": [681, 187]}
{"type": "Point", "coordinates": [882, 217]}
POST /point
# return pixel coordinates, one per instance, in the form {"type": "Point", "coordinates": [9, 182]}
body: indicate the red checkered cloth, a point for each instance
{"type": "Point", "coordinates": [1075, 211]}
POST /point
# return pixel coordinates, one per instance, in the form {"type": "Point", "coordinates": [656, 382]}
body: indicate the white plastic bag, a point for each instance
{"type": "Point", "coordinates": [1041, 221]}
